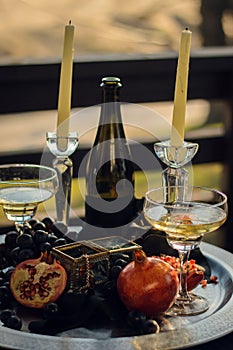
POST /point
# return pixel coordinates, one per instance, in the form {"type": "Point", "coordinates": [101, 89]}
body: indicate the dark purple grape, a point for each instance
{"type": "Point", "coordinates": [8, 272]}
{"type": "Point", "coordinates": [2, 281]}
{"type": "Point", "coordinates": [39, 226]}
{"type": "Point", "coordinates": [150, 327]}
{"type": "Point", "coordinates": [32, 222]}
{"type": "Point", "coordinates": [15, 254]}
{"type": "Point", "coordinates": [60, 241]}
{"type": "Point", "coordinates": [5, 294]}
{"type": "Point", "coordinates": [11, 238]}
{"type": "Point", "coordinates": [52, 238]}
{"type": "Point", "coordinates": [14, 322]}
{"type": "Point", "coordinates": [27, 253]}
{"type": "Point", "coordinates": [25, 241]}
{"type": "Point", "coordinates": [48, 221]}
{"type": "Point", "coordinates": [5, 314]}
{"type": "Point", "coordinates": [45, 247]}
{"type": "Point", "coordinates": [136, 319]}
{"type": "Point", "coordinates": [50, 311]}
{"type": "Point", "coordinates": [40, 236]}
{"type": "Point", "coordinates": [5, 256]}
{"type": "Point", "coordinates": [2, 274]}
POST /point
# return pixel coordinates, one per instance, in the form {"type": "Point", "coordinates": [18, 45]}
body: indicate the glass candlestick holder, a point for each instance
{"type": "Point", "coordinates": [64, 167]}
{"type": "Point", "coordinates": [175, 157]}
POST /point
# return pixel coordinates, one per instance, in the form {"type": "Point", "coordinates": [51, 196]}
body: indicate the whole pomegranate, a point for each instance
{"type": "Point", "coordinates": [148, 284]}
{"type": "Point", "coordinates": [36, 282]}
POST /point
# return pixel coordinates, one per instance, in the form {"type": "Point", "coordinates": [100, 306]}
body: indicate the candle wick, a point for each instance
{"type": "Point", "coordinates": [186, 28]}
{"type": "Point", "coordinates": [70, 21]}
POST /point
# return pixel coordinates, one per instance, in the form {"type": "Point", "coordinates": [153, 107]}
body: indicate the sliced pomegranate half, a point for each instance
{"type": "Point", "coordinates": [36, 282]}
{"type": "Point", "coordinates": [195, 272]}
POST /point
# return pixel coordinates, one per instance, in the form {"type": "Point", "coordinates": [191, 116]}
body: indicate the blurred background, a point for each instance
{"type": "Point", "coordinates": [32, 31]}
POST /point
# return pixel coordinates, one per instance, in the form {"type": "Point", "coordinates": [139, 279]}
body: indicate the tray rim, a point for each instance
{"type": "Point", "coordinates": [11, 339]}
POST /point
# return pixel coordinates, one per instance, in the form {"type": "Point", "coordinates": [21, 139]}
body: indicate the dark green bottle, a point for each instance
{"type": "Point", "coordinates": [110, 172]}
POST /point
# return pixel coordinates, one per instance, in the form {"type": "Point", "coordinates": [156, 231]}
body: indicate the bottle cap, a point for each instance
{"type": "Point", "coordinates": [111, 81]}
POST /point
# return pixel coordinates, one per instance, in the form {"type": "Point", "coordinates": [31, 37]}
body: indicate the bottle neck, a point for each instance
{"type": "Point", "coordinates": [110, 123]}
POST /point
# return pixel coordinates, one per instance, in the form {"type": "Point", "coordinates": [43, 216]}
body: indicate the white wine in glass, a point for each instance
{"type": "Point", "coordinates": [185, 214]}
{"type": "Point", "coordinates": [23, 187]}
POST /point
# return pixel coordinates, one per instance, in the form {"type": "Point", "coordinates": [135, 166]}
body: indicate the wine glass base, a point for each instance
{"type": "Point", "coordinates": [195, 305]}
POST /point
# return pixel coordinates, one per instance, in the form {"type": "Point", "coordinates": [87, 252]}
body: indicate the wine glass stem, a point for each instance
{"type": "Point", "coordinates": [19, 227]}
{"type": "Point", "coordinates": [183, 292]}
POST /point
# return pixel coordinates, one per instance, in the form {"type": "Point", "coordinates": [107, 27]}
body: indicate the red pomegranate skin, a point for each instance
{"type": "Point", "coordinates": [195, 272]}
{"type": "Point", "coordinates": [149, 286]}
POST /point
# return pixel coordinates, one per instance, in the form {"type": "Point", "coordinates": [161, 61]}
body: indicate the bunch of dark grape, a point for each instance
{"type": "Point", "coordinates": [8, 316]}
{"type": "Point", "coordinates": [142, 324]}
{"type": "Point", "coordinates": [10, 319]}
{"type": "Point", "coordinates": [38, 237]}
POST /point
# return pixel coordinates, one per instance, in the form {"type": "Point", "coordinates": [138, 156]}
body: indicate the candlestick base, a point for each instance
{"type": "Point", "coordinates": [64, 167]}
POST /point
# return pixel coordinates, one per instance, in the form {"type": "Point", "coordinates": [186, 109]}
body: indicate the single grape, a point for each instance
{"type": "Point", "coordinates": [60, 241]}
{"type": "Point", "coordinates": [14, 322]}
{"type": "Point", "coordinates": [48, 221]}
{"type": "Point", "coordinates": [10, 239]}
{"type": "Point", "coordinates": [8, 272]}
{"type": "Point", "coordinates": [50, 311]}
{"type": "Point", "coordinates": [45, 247]}
{"type": "Point", "coordinates": [27, 253]}
{"type": "Point", "coordinates": [32, 222]}
{"type": "Point", "coordinates": [2, 281]}
{"type": "Point", "coordinates": [150, 327]}
{"type": "Point", "coordinates": [5, 294]}
{"type": "Point", "coordinates": [15, 254]}
{"type": "Point", "coordinates": [25, 241]}
{"type": "Point", "coordinates": [2, 274]}
{"type": "Point", "coordinates": [40, 236]}
{"type": "Point", "coordinates": [136, 319]}
{"type": "Point", "coordinates": [52, 238]}
{"type": "Point", "coordinates": [39, 226]}
{"type": "Point", "coordinates": [5, 314]}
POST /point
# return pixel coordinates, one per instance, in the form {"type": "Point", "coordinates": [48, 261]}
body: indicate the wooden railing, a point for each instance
{"type": "Point", "coordinates": [30, 87]}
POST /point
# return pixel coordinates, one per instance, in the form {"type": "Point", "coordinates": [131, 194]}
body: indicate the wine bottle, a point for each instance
{"type": "Point", "coordinates": [110, 174]}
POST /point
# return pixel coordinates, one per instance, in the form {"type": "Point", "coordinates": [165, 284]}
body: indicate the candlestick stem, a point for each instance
{"type": "Point", "coordinates": [64, 167]}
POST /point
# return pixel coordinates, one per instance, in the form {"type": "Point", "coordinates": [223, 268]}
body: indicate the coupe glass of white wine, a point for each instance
{"type": "Point", "coordinates": [185, 214]}
{"type": "Point", "coordinates": [22, 188]}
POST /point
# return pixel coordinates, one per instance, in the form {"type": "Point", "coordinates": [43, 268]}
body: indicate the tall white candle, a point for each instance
{"type": "Point", "coordinates": [181, 88]}
{"type": "Point", "coordinates": [65, 88]}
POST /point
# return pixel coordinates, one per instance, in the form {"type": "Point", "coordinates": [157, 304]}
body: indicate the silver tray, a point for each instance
{"type": "Point", "coordinates": [182, 332]}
